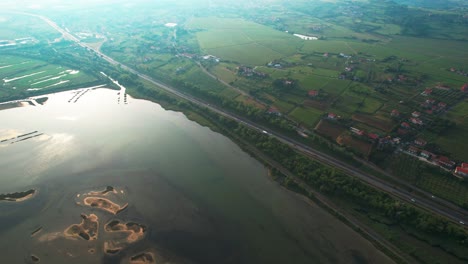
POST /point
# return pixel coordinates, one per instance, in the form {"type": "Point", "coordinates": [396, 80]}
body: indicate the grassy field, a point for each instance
{"type": "Point", "coordinates": [242, 41]}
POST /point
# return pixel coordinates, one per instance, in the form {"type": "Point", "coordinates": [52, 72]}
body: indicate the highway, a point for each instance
{"type": "Point", "coordinates": [443, 208]}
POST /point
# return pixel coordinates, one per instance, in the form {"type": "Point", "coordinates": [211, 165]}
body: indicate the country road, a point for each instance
{"type": "Point", "coordinates": [444, 208]}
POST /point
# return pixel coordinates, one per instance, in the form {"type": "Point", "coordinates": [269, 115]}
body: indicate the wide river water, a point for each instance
{"type": "Point", "coordinates": [200, 198]}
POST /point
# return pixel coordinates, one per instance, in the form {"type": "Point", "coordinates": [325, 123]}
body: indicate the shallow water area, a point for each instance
{"type": "Point", "coordinates": [122, 180]}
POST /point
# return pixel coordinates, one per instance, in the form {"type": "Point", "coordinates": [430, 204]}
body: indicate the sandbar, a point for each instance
{"type": "Point", "coordinates": [104, 204]}
{"type": "Point", "coordinates": [143, 258]}
{"type": "Point", "coordinates": [111, 248]}
{"type": "Point", "coordinates": [135, 231]}
{"type": "Point", "coordinates": [87, 229]}
{"type": "Point", "coordinates": [18, 196]}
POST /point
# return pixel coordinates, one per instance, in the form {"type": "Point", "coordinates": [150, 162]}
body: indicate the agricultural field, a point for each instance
{"type": "Point", "coordinates": [242, 41]}
{"type": "Point", "coordinates": [24, 76]}
{"type": "Point", "coordinates": [429, 178]}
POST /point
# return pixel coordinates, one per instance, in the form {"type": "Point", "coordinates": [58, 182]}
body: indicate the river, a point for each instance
{"type": "Point", "coordinates": [196, 195]}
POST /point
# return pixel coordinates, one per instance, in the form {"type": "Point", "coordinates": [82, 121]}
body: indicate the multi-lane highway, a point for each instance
{"type": "Point", "coordinates": [444, 208]}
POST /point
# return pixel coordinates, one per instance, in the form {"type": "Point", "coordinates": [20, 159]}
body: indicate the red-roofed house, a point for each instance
{"type": "Point", "coordinates": [405, 125]}
{"type": "Point", "coordinates": [427, 92]}
{"type": "Point", "coordinates": [395, 113]}
{"type": "Point", "coordinates": [464, 88]}
{"type": "Point", "coordinates": [313, 93]}
{"type": "Point", "coordinates": [464, 165]}
{"type": "Point", "coordinates": [461, 171]}
{"type": "Point", "coordinates": [331, 115]}
{"type": "Point", "coordinates": [415, 114]}
{"type": "Point", "coordinates": [373, 136]}
{"type": "Point", "coordinates": [416, 121]}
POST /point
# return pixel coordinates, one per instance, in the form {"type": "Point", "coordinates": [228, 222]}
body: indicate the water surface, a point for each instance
{"type": "Point", "coordinates": [200, 197]}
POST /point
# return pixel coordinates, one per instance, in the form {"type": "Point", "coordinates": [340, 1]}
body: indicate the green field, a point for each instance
{"type": "Point", "coordinates": [242, 41]}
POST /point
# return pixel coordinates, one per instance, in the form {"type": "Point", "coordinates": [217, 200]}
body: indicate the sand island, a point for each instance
{"type": "Point", "coordinates": [87, 229]}
{"type": "Point", "coordinates": [18, 196]}
{"type": "Point", "coordinates": [135, 231]}
{"type": "Point", "coordinates": [143, 258]}
{"type": "Point", "coordinates": [104, 204]}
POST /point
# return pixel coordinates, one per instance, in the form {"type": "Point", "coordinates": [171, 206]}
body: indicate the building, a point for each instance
{"type": "Point", "coordinates": [416, 114]}
{"type": "Point", "coordinates": [313, 93]}
{"type": "Point", "coordinates": [426, 154]}
{"type": "Point", "coordinates": [332, 116]}
{"type": "Point", "coordinates": [460, 171]}
{"type": "Point", "coordinates": [274, 111]}
{"type": "Point", "coordinates": [413, 150]}
{"type": "Point", "coordinates": [357, 131]}
{"type": "Point", "coordinates": [405, 125]}
{"type": "Point", "coordinates": [395, 113]}
{"type": "Point", "coordinates": [464, 88]}
{"type": "Point", "coordinates": [427, 91]}
{"type": "Point", "coordinates": [372, 136]}
{"type": "Point", "coordinates": [420, 142]}
{"type": "Point", "coordinates": [416, 121]}
{"type": "Point", "coordinates": [445, 162]}
{"type": "Point", "coordinates": [442, 105]}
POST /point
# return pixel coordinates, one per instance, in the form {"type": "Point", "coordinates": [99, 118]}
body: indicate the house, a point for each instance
{"type": "Point", "coordinates": [442, 105]}
{"type": "Point", "coordinates": [420, 142]}
{"type": "Point", "coordinates": [464, 88]}
{"type": "Point", "coordinates": [313, 93]}
{"type": "Point", "coordinates": [273, 111]}
{"type": "Point", "coordinates": [430, 101]}
{"type": "Point", "coordinates": [402, 132]}
{"type": "Point", "coordinates": [416, 121]}
{"type": "Point", "coordinates": [405, 125]}
{"type": "Point", "coordinates": [445, 162]}
{"type": "Point", "coordinates": [464, 165]}
{"type": "Point", "coordinates": [332, 116]}
{"type": "Point", "coordinates": [372, 136]}
{"type": "Point", "coordinates": [443, 87]}
{"type": "Point", "coordinates": [396, 140]}
{"type": "Point", "coordinates": [426, 154]}
{"type": "Point", "coordinates": [460, 171]}
{"type": "Point", "coordinates": [413, 150]}
{"type": "Point", "coordinates": [357, 131]}
{"type": "Point", "coordinates": [395, 113]}
{"type": "Point", "coordinates": [427, 91]}
{"type": "Point", "coordinates": [416, 114]}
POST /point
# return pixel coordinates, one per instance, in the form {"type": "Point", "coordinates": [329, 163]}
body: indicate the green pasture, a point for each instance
{"type": "Point", "coordinates": [307, 116]}
{"type": "Point", "coordinates": [242, 41]}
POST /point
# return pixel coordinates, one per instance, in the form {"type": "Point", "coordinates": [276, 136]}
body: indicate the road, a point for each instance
{"type": "Point", "coordinates": [446, 209]}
